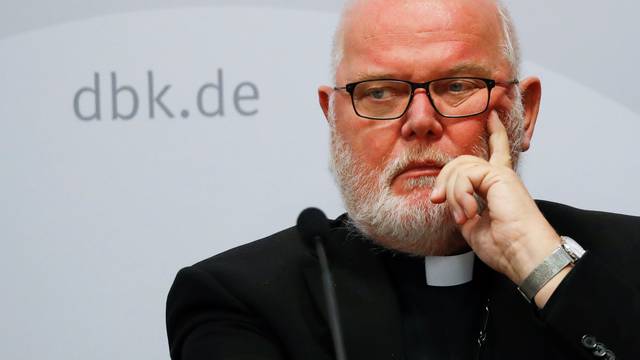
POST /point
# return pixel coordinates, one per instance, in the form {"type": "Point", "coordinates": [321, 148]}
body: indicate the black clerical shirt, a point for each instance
{"type": "Point", "coordinates": [439, 323]}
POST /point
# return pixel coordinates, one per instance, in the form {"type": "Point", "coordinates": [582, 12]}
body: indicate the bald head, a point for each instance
{"type": "Point", "coordinates": [365, 17]}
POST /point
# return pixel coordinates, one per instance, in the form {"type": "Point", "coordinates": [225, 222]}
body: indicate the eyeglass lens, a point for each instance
{"type": "Point", "coordinates": [387, 99]}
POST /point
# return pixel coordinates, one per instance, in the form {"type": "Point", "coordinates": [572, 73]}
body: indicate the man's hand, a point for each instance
{"type": "Point", "coordinates": [510, 235]}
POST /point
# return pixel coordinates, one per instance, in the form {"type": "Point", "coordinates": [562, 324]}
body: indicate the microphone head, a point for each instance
{"type": "Point", "coordinates": [313, 223]}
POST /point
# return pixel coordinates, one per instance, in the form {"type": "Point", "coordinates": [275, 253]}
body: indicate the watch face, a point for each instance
{"type": "Point", "coordinates": [572, 247]}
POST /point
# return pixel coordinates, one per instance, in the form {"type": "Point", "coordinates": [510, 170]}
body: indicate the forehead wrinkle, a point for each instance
{"type": "Point", "coordinates": [371, 75]}
{"type": "Point", "coordinates": [466, 69]}
{"type": "Point", "coordinates": [386, 49]}
{"type": "Point", "coordinates": [385, 45]}
{"type": "Point", "coordinates": [432, 35]}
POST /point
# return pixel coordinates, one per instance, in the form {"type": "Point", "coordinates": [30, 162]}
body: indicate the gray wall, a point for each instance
{"type": "Point", "coordinates": [98, 215]}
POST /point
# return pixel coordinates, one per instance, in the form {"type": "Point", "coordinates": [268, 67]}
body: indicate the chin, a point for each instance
{"type": "Point", "coordinates": [412, 187]}
{"type": "Point", "coordinates": [408, 223]}
{"type": "Point", "coordinates": [418, 201]}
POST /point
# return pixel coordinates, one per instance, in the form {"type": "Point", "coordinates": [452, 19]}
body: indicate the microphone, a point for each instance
{"type": "Point", "coordinates": [314, 228]}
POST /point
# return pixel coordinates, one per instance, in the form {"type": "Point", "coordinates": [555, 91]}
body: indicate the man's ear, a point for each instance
{"type": "Point", "coordinates": [531, 90]}
{"type": "Point", "coordinates": [324, 94]}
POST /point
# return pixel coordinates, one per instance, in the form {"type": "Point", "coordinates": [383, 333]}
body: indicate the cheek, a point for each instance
{"type": "Point", "coordinates": [464, 135]}
{"type": "Point", "coordinates": [377, 146]}
{"type": "Point", "coordinates": [371, 141]}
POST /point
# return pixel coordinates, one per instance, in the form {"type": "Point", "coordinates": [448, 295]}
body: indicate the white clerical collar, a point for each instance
{"type": "Point", "coordinates": [449, 270]}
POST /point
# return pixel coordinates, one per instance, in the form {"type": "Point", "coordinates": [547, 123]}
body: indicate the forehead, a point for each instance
{"type": "Point", "coordinates": [410, 34]}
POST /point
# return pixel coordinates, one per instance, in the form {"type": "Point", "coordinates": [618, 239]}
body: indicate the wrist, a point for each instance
{"type": "Point", "coordinates": [530, 251]}
{"type": "Point", "coordinates": [543, 280]}
{"type": "Point", "coordinates": [549, 288]}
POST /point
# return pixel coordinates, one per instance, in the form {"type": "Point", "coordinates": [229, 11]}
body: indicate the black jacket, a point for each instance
{"type": "Point", "coordinates": [264, 300]}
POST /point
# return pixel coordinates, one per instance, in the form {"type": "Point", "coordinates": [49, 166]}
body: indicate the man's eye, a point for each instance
{"type": "Point", "coordinates": [456, 87]}
{"type": "Point", "coordinates": [378, 93]}
{"type": "Point", "coordinates": [459, 86]}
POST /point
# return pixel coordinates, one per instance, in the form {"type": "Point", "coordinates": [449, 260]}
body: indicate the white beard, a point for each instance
{"type": "Point", "coordinates": [407, 223]}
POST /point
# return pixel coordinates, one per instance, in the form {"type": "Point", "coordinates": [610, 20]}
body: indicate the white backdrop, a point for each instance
{"type": "Point", "coordinates": [97, 215]}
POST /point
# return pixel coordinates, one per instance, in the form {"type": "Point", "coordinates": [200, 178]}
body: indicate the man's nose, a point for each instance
{"type": "Point", "coordinates": [421, 119]}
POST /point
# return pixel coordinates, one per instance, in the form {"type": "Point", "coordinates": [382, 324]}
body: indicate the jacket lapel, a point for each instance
{"type": "Point", "coordinates": [368, 308]}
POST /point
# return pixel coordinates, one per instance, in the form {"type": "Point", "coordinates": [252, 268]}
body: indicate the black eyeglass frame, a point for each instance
{"type": "Point", "coordinates": [350, 87]}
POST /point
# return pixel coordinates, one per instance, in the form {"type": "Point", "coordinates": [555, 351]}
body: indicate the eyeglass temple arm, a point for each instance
{"type": "Point", "coordinates": [508, 83]}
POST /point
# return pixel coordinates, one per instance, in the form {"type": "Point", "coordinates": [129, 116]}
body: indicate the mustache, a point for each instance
{"type": "Point", "coordinates": [419, 153]}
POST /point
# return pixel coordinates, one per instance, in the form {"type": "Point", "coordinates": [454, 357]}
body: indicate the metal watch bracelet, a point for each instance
{"type": "Point", "coordinates": [566, 254]}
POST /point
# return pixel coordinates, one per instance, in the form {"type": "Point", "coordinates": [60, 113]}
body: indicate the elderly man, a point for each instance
{"type": "Point", "coordinates": [428, 116]}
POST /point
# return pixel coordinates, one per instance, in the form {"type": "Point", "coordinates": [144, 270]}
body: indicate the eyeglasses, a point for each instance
{"type": "Point", "coordinates": [454, 97]}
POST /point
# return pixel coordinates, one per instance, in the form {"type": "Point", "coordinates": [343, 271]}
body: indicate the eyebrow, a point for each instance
{"type": "Point", "coordinates": [360, 76]}
{"type": "Point", "coordinates": [460, 69]}
{"type": "Point", "coordinates": [470, 68]}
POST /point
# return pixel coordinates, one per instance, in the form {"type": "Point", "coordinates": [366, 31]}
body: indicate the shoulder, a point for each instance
{"type": "Point", "coordinates": [611, 236]}
{"type": "Point", "coordinates": [270, 255]}
{"type": "Point", "coordinates": [257, 277]}
{"type": "Point", "coordinates": [560, 213]}
{"type": "Point", "coordinates": [248, 279]}
{"type": "Point", "coordinates": [240, 287]}
{"type": "Point", "coordinates": [570, 221]}
{"type": "Point", "coordinates": [277, 256]}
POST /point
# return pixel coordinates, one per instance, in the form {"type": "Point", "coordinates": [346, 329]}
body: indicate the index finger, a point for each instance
{"type": "Point", "coordinates": [499, 147]}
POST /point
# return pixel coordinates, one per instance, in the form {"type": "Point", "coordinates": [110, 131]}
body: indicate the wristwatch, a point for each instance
{"type": "Point", "coordinates": [566, 254]}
